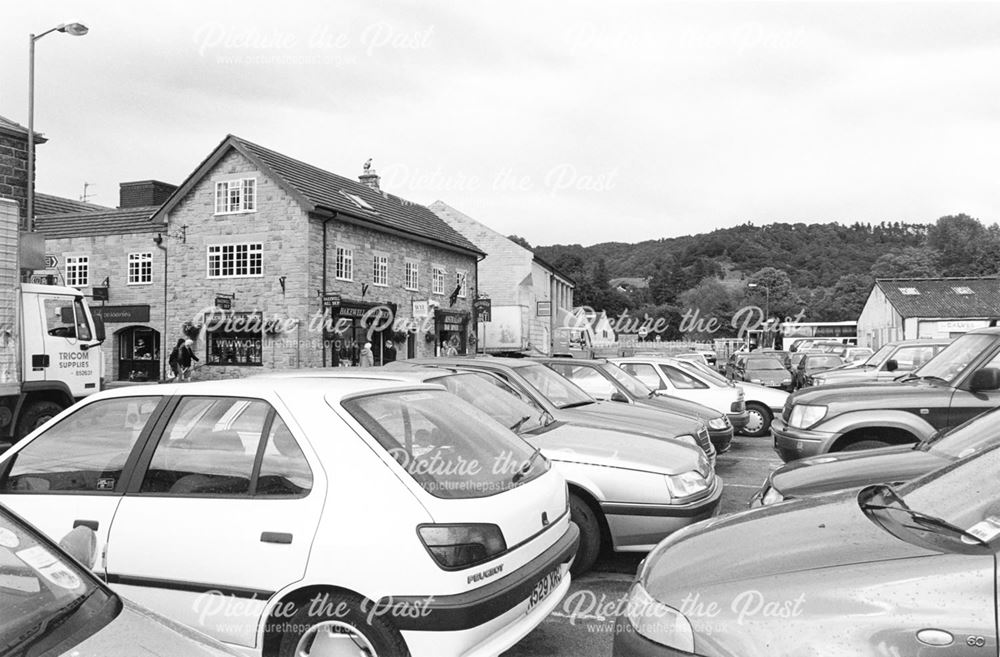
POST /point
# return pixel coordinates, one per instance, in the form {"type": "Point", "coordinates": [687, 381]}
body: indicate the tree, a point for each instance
{"type": "Point", "coordinates": [517, 239]}
{"type": "Point", "coordinates": [963, 246]}
{"type": "Point", "coordinates": [773, 288]}
{"type": "Point", "coordinates": [910, 262]}
{"type": "Point", "coordinates": [707, 310]}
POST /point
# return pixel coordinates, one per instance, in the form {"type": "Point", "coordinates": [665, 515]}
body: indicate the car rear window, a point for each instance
{"type": "Point", "coordinates": [449, 447]}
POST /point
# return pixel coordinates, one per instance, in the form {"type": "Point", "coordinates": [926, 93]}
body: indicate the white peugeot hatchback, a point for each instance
{"type": "Point", "coordinates": [289, 518]}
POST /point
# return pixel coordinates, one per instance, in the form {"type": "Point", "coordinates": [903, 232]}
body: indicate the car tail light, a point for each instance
{"type": "Point", "coordinates": [461, 546]}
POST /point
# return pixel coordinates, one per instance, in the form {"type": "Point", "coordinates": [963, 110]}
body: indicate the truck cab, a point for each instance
{"type": "Point", "coordinates": [51, 359]}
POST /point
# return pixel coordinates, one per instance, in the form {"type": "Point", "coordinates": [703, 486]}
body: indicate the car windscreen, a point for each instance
{"type": "Point", "coordinates": [823, 362]}
{"type": "Point", "coordinates": [45, 596]}
{"type": "Point", "coordinates": [953, 359]}
{"type": "Point", "coordinates": [769, 364]}
{"type": "Point", "coordinates": [452, 449]}
{"type": "Point", "coordinates": [880, 356]}
{"type": "Point", "coordinates": [635, 387]}
{"type": "Point", "coordinates": [965, 494]}
{"type": "Point", "coordinates": [558, 390]}
{"type": "Point", "coordinates": [704, 371]}
{"type": "Point", "coordinates": [506, 409]}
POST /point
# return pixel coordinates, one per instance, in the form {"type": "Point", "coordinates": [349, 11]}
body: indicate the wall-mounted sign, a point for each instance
{"type": "Point", "coordinates": [421, 309]}
{"type": "Point", "coordinates": [543, 309]}
{"type": "Point", "coordinates": [223, 303]}
{"type": "Point", "coordinates": [483, 307]}
{"type": "Point", "coordinates": [51, 261]}
{"type": "Point", "coordinates": [331, 300]}
{"type": "Point", "coordinates": [101, 294]}
{"type": "Point", "coordinates": [113, 314]}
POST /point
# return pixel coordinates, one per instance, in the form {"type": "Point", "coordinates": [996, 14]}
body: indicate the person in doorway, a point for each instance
{"type": "Point", "coordinates": [366, 358]}
{"type": "Point", "coordinates": [449, 349]}
{"type": "Point", "coordinates": [388, 353]}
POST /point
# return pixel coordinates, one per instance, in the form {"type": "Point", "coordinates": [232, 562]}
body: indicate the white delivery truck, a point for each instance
{"type": "Point", "coordinates": [50, 345]}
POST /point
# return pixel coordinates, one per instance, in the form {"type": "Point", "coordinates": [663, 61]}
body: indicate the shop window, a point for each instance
{"type": "Point", "coordinates": [138, 354]}
{"type": "Point", "coordinates": [230, 347]}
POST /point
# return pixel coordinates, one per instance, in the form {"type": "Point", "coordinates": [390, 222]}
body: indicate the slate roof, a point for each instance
{"type": "Point", "coordinates": [102, 222]}
{"type": "Point", "coordinates": [937, 297]}
{"type": "Point", "coordinates": [49, 204]}
{"type": "Point", "coordinates": [16, 129]}
{"type": "Point", "coordinates": [318, 189]}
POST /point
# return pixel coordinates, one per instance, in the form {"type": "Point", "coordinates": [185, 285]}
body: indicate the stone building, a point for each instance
{"type": "Point", "coordinates": [528, 296]}
{"type": "Point", "coordinates": [14, 163]}
{"type": "Point", "coordinates": [275, 263]}
{"type": "Point", "coordinates": [112, 255]}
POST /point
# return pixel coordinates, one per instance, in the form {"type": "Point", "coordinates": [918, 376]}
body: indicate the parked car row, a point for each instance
{"type": "Point", "coordinates": [493, 481]}
{"type": "Point", "coordinates": [881, 541]}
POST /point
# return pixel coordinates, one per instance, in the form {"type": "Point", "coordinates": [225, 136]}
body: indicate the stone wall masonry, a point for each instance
{"type": "Point", "coordinates": [108, 258]}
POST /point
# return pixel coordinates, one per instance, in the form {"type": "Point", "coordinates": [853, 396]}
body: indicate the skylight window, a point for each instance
{"type": "Point", "coordinates": [962, 290]}
{"type": "Point", "coordinates": [909, 291]}
{"type": "Point", "coordinates": [358, 201]}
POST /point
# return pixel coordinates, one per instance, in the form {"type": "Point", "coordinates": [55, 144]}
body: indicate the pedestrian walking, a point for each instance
{"type": "Point", "coordinates": [185, 356]}
{"type": "Point", "coordinates": [175, 359]}
{"type": "Point", "coordinates": [366, 358]}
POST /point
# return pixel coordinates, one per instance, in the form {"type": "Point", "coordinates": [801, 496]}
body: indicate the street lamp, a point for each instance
{"type": "Point", "coordinates": [767, 298]}
{"type": "Point", "coordinates": [74, 29]}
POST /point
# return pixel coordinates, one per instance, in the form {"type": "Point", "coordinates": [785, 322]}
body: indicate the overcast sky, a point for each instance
{"type": "Point", "coordinates": [562, 121]}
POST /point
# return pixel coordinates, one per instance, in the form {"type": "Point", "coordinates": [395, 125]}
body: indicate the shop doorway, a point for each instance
{"type": "Point", "coordinates": [138, 354]}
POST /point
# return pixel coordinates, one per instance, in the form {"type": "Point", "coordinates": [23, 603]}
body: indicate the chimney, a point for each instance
{"type": "Point", "coordinates": [143, 193]}
{"type": "Point", "coordinates": [369, 177]}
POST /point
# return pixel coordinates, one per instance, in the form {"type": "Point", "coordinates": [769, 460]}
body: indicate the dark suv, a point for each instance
{"type": "Point", "coordinates": [962, 381]}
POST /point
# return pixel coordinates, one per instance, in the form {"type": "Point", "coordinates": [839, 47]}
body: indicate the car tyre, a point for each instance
{"type": "Point", "coordinates": [37, 414]}
{"type": "Point", "coordinates": [865, 444]}
{"type": "Point", "coordinates": [758, 421]}
{"type": "Point", "coordinates": [340, 618]}
{"type": "Point", "coordinates": [590, 535]}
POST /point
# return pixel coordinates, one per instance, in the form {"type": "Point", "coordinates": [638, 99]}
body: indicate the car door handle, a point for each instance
{"type": "Point", "coordinates": [276, 537]}
{"type": "Point", "coordinates": [92, 524]}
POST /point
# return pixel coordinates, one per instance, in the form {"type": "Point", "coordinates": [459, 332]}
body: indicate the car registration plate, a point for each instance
{"type": "Point", "coordinates": [544, 587]}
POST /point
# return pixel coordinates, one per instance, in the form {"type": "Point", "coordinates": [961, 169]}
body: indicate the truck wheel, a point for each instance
{"type": "Point", "coordinates": [758, 420]}
{"type": "Point", "coordinates": [35, 415]}
{"type": "Point", "coordinates": [590, 535]}
{"type": "Point", "coordinates": [340, 627]}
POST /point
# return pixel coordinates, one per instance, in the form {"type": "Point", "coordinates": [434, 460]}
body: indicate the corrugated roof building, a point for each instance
{"type": "Point", "coordinates": [909, 308]}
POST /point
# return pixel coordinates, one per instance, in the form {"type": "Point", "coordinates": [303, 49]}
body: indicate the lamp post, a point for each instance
{"type": "Point", "coordinates": [767, 303]}
{"type": "Point", "coordinates": [74, 29]}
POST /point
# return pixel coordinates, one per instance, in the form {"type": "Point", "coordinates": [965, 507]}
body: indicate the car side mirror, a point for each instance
{"type": "Point", "coordinates": [81, 544]}
{"type": "Point", "coordinates": [987, 378]}
{"type": "Point", "coordinates": [99, 332]}
{"type": "Point", "coordinates": [617, 396]}
{"type": "Point", "coordinates": [891, 365]}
